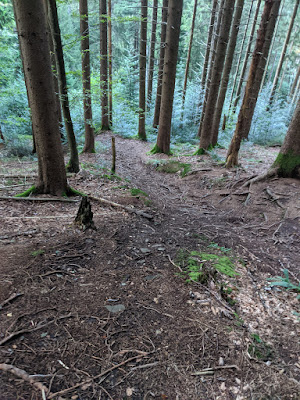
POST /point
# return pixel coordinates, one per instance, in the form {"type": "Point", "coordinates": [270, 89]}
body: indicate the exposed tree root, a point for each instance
{"type": "Point", "coordinates": [38, 199]}
{"type": "Point", "coordinates": [271, 172]}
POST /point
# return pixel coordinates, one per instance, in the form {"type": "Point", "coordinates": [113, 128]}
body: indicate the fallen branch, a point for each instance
{"type": "Point", "coordinates": [22, 331]}
{"type": "Point", "coordinates": [273, 197]}
{"type": "Point", "coordinates": [20, 373]}
{"type": "Point", "coordinates": [70, 389]}
{"type": "Point", "coordinates": [117, 205]}
{"type": "Point", "coordinates": [39, 199]}
{"type": "Point", "coordinates": [10, 299]}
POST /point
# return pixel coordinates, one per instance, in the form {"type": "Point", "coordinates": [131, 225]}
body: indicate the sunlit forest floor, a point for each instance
{"type": "Point", "coordinates": [177, 306]}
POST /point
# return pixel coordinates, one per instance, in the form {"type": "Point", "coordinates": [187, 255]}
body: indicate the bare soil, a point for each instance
{"type": "Point", "coordinates": [109, 314]}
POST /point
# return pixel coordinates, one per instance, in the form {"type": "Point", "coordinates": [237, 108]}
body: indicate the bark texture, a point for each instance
{"type": "Point", "coordinates": [206, 129]}
{"type": "Point", "coordinates": [288, 160]}
{"type": "Point", "coordinates": [104, 67]}
{"type": "Point", "coordinates": [35, 50]}
{"type": "Point", "coordinates": [169, 74]}
{"type": "Point", "coordinates": [142, 74]}
{"type": "Point", "coordinates": [109, 30]}
{"type": "Point", "coordinates": [152, 53]}
{"type": "Point", "coordinates": [227, 68]}
{"type": "Point", "coordinates": [260, 54]}
{"type": "Point", "coordinates": [89, 144]}
{"type": "Point", "coordinates": [73, 164]}
{"type": "Point", "coordinates": [161, 62]}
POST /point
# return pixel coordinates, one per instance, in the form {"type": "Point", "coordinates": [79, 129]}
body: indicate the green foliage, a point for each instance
{"type": "Point", "coordinates": [284, 282]}
{"type": "Point", "coordinates": [259, 349]}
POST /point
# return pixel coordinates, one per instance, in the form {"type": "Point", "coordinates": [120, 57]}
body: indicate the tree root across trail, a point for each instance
{"type": "Point", "coordinates": [109, 314]}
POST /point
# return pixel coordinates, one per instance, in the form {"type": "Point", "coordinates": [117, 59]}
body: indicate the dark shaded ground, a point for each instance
{"type": "Point", "coordinates": [113, 304]}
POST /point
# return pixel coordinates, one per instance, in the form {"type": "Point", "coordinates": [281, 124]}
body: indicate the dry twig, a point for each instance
{"type": "Point", "coordinates": [10, 299]}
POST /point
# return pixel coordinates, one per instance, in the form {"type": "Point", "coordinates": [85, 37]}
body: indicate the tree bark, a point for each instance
{"type": "Point", "coordinates": [282, 56]}
{"type": "Point", "coordinates": [89, 144]}
{"type": "Point", "coordinates": [211, 64]}
{"type": "Point", "coordinates": [247, 54]}
{"type": "Point", "coordinates": [109, 30]}
{"type": "Point", "coordinates": [288, 159]}
{"type": "Point", "coordinates": [161, 62]}
{"type": "Point", "coordinates": [142, 74]}
{"type": "Point", "coordinates": [152, 53]}
{"type": "Point", "coordinates": [259, 57]}
{"type": "Point", "coordinates": [73, 164]}
{"type": "Point", "coordinates": [169, 75]}
{"type": "Point", "coordinates": [187, 66]}
{"type": "Point", "coordinates": [206, 131]}
{"type": "Point", "coordinates": [104, 66]}
{"type": "Point", "coordinates": [294, 85]}
{"type": "Point", "coordinates": [227, 68]}
{"type": "Point", "coordinates": [35, 50]}
{"type": "Point", "coordinates": [208, 50]}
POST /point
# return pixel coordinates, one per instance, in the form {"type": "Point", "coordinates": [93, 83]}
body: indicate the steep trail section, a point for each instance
{"type": "Point", "coordinates": [250, 224]}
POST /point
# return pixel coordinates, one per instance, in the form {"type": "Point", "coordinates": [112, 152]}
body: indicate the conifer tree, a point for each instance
{"type": "Point", "coordinates": [104, 66]}
{"type": "Point", "coordinates": [142, 74]}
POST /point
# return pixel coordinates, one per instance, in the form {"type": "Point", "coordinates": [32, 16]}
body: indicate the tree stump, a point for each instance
{"type": "Point", "coordinates": [84, 217]}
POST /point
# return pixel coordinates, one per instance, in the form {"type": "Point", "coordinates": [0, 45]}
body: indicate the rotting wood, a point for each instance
{"type": "Point", "coordinates": [117, 205]}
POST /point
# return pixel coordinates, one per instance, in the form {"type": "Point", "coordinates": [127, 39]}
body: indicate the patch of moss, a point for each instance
{"type": "Point", "coordinates": [37, 252]}
{"type": "Point", "coordinates": [137, 192]}
{"type": "Point", "coordinates": [74, 192]}
{"type": "Point", "coordinates": [259, 349]}
{"type": "Point", "coordinates": [157, 150]}
{"type": "Point", "coordinates": [287, 164]}
{"type": "Point", "coordinates": [172, 167]}
{"type": "Point", "coordinates": [27, 192]}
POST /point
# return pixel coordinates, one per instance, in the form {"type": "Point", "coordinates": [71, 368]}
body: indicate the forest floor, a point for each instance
{"type": "Point", "coordinates": [178, 306]}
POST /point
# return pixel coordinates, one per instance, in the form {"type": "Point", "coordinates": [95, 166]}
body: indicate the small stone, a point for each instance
{"type": "Point", "coordinates": [116, 308]}
{"type": "Point", "coordinates": [221, 361]}
{"type": "Point", "coordinates": [145, 250]}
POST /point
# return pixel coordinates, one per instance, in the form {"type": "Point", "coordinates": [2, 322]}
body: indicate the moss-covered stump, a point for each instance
{"type": "Point", "coordinates": [288, 165]}
{"type": "Point", "coordinates": [84, 217]}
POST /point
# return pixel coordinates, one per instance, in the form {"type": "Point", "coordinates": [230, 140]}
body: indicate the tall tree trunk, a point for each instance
{"type": "Point", "coordinates": [161, 62]}
{"type": "Point", "coordinates": [294, 85]}
{"type": "Point", "coordinates": [73, 164]}
{"type": "Point", "coordinates": [287, 162]}
{"type": "Point", "coordinates": [211, 63]}
{"type": "Point", "coordinates": [206, 131]}
{"type": "Point", "coordinates": [247, 54]}
{"type": "Point", "coordinates": [89, 145]}
{"type": "Point", "coordinates": [227, 68]}
{"type": "Point", "coordinates": [109, 30]}
{"type": "Point", "coordinates": [282, 56]}
{"type": "Point", "coordinates": [142, 74]}
{"type": "Point", "coordinates": [260, 54]}
{"type": "Point", "coordinates": [208, 50]}
{"type": "Point", "coordinates": [35, 50]}
{"type": "Point", "coordinates": [187, 66]}
{"type": "Point", "coordinates": [152, 53]}
{"type": "Point", "coordinates": [240, 56]}
{"type": "Point", "coordinates": [169, 75]}
{"type": "Point", "coordinates": [104, 66]}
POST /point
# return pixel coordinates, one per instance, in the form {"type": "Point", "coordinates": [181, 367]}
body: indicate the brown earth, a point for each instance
{"type": "Point", "coordinates": [108, 314]}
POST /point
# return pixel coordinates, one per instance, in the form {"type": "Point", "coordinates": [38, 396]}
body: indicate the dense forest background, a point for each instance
{"type": "Point", "coordinates": [269, 124]}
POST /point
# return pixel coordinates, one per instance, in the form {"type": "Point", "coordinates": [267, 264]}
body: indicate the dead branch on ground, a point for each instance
{"type": "Point", "coordinates": [10, 299]}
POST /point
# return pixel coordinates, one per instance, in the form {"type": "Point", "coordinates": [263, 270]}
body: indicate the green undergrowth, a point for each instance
{"type": "Point", "coordinates": [259, 349]}
{"type": "Point", "coordinates": [202, 267]}
{"type": "Point", "coordinates": [140, 194]}
{"type": "Point", "coordinates": [172, 167]}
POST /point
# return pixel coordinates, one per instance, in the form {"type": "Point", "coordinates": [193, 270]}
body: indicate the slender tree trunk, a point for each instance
{"type": "Point", "coordinates": [161, 62]}
{"type": "Point", "coordinates": [152, 53]}
{"type": "Point", "coordinates": [73, 164]}
{"type": "Point", "coordinates": [247, 54]}
{"type": "Point", "coordinates": [208, 50]}
{"type": "Point", "coordinates": [169, 75]}
{"type": "Point", "coordinates": [260, 54]}
{"type": "Point", "coordinates": [211, 64]}
{"type": "Point", "coordinates": [109, 30]}
{"type": "Point", "coordinates": [35, 50]}
{"type": "Point", "coordinates": [89, 145]}
{"type": "Point", "coordinates": [187, 66]}
{"type": "Point", "coordinates": [142, 75]}
{"type": "Point", "coordinates": [104, 66]}
{"type": "Point", "coordinates": [294, 85]}
{"type": "Point", "coordinates": [282, 56]}
{"type": "Point", "coordinates": [287, 162]}
{"type": "Point", "coordinates": [206, 131]}
{"type": "Point", "coordinates": [227, 68]}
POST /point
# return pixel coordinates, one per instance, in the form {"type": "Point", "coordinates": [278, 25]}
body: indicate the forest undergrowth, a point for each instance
{"type": "Point", "coordinates": [199, 300]}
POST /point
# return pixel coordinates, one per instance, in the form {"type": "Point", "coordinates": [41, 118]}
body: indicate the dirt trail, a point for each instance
{"type": "Point", "coordinates": [109, 314]}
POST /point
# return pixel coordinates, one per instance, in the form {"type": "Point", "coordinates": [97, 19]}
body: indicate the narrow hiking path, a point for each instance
{"type": "Point", "coordinates": [116, 302]}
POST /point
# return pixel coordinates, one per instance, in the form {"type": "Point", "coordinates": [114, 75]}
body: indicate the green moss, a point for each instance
{"type": "Point", "coordinates": [172, 167]}
{"type": "Point", "coordinates": [157, 150]}
{"type": "Point", "coordinates": [202, 151]}
{"type": "Point", "coordinates": [137, 192]}
{"type": "Point", "coordinates": [74, 192]}
{"type": "Point", "coordinates": [37, 252]}
{"type": "Point", "coordinates": [287, 164]}
{"type": "Point", "coordinates": [27, 192]}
